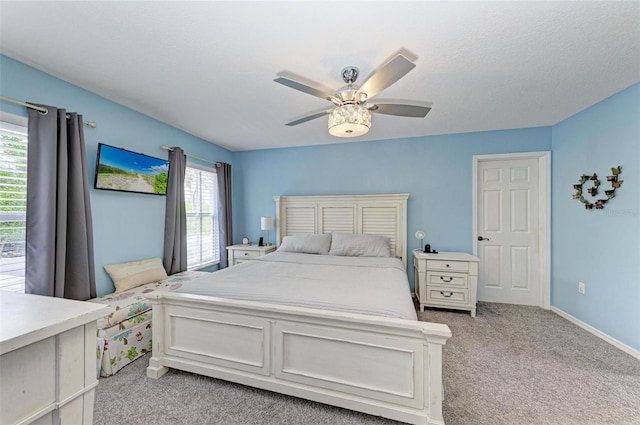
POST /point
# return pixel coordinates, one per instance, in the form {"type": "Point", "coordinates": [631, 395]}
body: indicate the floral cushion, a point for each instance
{"type": "Point", "coordinates": [123, 347]}
{"type": "Point", "coordinates": [125, 333]}
{"type": "Point", "coordinates": [128, 307]}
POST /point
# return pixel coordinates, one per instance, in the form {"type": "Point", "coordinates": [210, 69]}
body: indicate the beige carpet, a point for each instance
{"type": "Point", "coordinates": [510, 365]}
{"type": "Point", "coordinates": [523, 365]}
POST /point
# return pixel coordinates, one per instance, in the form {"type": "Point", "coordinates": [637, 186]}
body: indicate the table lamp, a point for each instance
{"type": "Point", "coordinates": [266, 223]}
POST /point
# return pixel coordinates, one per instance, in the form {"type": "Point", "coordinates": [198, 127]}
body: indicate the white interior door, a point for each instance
{"type": "Point", "coordinates": [511, 229]}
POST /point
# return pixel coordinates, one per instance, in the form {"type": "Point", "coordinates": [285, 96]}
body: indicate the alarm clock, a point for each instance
{"type": "Point", "coordinates": [245, 241]}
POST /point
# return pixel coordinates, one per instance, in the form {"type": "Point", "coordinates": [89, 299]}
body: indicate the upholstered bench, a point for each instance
{"type": "Point", "coordinates": [125, 333]}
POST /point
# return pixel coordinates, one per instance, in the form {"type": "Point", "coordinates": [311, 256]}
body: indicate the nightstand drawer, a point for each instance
{"type": "Point", "coordinates": [454, 266]}
{"type": "Point", "coordinates": [242, 255]}
{"type": "Point", "coordinates": [445, 296]}
{"type": "Point", "coordinates": [454, 280]}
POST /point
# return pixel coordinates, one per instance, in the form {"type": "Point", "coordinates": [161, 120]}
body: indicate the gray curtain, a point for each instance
{"type": "Point", "coordinates": [175, 219]}
{"type": "Point", "coordinates": [224, 211]}
{"type": "Point", "coordinates": [59, 252]}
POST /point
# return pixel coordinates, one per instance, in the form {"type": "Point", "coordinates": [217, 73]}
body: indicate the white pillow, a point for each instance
{"type": "Point", "coordinates": [358, 245]}
{"type": "Point", "coordinates": [306, 244]}
{"type": "Point", "coordinates": [129, 275]}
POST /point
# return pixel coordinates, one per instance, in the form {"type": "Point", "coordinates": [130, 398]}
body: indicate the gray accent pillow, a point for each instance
{"type": "Point", "coordinates": [306, 244]}
{"type": "Point", "coordinates": [358, 245]}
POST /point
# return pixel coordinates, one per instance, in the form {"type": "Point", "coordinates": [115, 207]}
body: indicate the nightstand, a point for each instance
{"type": "Point", "coordinates": [446, 280]}
{"type": "Point", "coordinates": [240, 253]}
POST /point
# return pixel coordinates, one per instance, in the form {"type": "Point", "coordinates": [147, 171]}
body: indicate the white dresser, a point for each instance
{"type": "Point", "coordinates": [240, 253]}
{"type": "Point", "coordinates": [446, 280]}
{"type": "Point", "coordinates": [47, 359]}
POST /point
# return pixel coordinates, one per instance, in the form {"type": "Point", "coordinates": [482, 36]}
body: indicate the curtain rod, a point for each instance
{"type": "Point", "coordinates": [217, 164]}
{"type": "Point", "coordinates": [91, 124]}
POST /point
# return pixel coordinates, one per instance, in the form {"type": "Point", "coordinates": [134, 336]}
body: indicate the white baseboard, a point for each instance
{"type": "Point", "coordinates": [620, 345]}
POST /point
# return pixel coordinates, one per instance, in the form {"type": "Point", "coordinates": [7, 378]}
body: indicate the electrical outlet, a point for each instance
{"type": "Point", "coordinates": [581, 287]}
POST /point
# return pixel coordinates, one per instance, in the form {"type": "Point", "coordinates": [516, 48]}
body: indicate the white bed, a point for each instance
{"type": "Point", "coordinates": [337, 341]}
{"type": "Point", "coordinates": [364, 285]}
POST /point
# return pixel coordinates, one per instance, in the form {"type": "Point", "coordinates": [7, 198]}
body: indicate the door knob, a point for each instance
{"type": "Point", "coordinates": [480, 238]}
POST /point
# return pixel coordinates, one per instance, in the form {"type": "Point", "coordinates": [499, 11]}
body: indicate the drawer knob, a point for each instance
{"type": "Point", "coordinates": [246, 253]}
{"type": "Point", "coordinates": [445, 295]}
{"type": "Point", "coordinates": [448, 265]}
{"type": "Point", "coordinates": [442, 278]}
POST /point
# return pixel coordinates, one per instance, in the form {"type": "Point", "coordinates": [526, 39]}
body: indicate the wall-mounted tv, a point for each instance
{"type": "Point", "coordinates": [123, 170]}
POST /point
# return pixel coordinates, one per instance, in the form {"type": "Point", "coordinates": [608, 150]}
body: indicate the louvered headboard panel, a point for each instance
{"type": "Point", "coordinates": [381, 221]}
{"type": "Point", "coordinates": [337, 219]}
{"type": "Point", "coordinates": [384, 215]}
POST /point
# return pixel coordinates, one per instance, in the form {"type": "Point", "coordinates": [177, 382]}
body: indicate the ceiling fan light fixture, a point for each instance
{"type": "Point", "coordinates": [349, 121]}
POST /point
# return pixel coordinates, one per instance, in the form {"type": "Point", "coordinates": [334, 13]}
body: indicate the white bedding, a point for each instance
{"type": "Point", "coordinates": [366, 285]}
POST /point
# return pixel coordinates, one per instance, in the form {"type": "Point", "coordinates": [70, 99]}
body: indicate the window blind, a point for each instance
{"type": "Point", "coordinates": [13, 205]}
{"type": "Point", "coordinates": [13, 190]}
{"type": "Point", "coordinates": [202, 226]}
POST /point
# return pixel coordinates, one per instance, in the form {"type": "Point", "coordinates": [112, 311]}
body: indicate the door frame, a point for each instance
{"type": "Point", "coordinates": [544, 213]}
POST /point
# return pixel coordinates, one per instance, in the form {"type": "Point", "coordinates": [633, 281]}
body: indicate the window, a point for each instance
{"type": "Point", "coordinates": [200, 187]}
{"type": "Point", "coordinates": [13, 205]}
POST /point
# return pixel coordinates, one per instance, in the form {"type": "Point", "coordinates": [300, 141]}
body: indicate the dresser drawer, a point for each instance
{"type": "Point", "coordinates": [444, 296]}
{"type": "Point", "coordinates": [453, 280]}
{"type": "Point", "coordinates": [454, 266]}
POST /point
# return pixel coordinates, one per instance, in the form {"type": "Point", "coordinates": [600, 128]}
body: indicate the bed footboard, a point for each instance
{"type": "Point", "coordinates": [380, 366]}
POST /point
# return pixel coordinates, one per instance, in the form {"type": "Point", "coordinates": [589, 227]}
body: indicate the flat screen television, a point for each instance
{"type": "Point", "coordinates": [122, 170]}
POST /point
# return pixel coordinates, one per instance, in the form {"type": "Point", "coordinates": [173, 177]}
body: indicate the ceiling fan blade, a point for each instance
{"type": "Point", "coordinates": [305, 85]}
{"type": "Point", "coordinates": [309, 117]}
{"type": "Point", "coordinates": [388, 73]}
{"type": "Point", "coordinates": [412, 109]}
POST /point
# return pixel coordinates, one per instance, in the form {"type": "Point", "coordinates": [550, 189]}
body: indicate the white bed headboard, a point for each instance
{"type": "Point", "coordinates": [367, 214]}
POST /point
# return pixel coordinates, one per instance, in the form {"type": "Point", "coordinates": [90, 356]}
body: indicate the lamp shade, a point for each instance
{"type": "Point", "coordinates": [266, 223]}
{"type": "Point", "coordinates": [349, 121]}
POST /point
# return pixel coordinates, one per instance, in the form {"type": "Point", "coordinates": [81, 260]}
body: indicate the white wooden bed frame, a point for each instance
{"type": "Point", "coordinates": [381, 366]}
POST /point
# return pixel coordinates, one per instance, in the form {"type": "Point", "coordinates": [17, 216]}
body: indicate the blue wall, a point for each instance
{"type": "Point", "coordinates": [599, 247]}
{"type": "Point", "coordinates": [126, 226]}
{"type": "Point", "coordinates": [436, 171]}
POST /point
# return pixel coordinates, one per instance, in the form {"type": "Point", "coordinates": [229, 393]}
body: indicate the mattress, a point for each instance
{"type": "Point", "coordinates": [365, 285]}
{"type": "Point", "coordinates": [125, 333]}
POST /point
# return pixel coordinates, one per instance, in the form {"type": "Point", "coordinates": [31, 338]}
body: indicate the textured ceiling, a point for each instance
{"type": "Point", "coordinates": [208, 67]}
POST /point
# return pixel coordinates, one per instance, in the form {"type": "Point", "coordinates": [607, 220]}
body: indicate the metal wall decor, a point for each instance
{"type": "Point", "coordinates": [593, 190]}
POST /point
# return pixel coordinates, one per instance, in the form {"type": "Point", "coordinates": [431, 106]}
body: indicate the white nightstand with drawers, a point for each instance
{"type": "Point", "coordinates": [240, 253]}
{"type": "Point", "coordinates": [446, 280]}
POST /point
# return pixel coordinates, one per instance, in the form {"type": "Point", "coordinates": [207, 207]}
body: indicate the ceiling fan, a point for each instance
{"type": "Point", "coordinates": [351, 115]}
